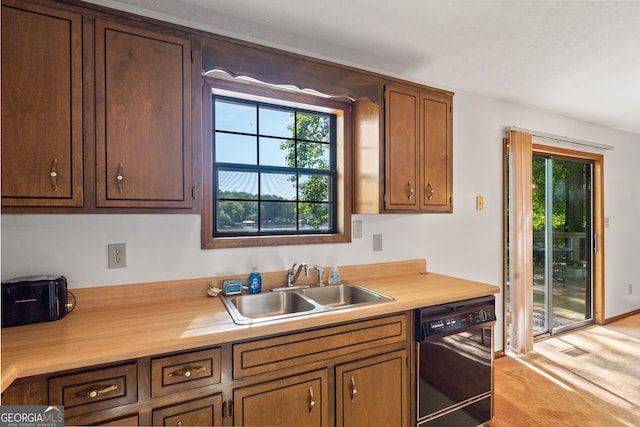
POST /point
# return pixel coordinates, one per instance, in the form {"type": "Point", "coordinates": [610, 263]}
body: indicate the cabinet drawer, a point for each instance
{"type": "Point", "coordinates": [95, 390]}
{"type": "Point", "coordinates": [89, 420]}
{"type": "Point", "coordinates": [125, 421]}
{"type": "Point", "coordinates": [171, 374]}
{"type": "Point", "coordinates": [206, 411]}
{"type": "Point", "coordinates": [269, 354]}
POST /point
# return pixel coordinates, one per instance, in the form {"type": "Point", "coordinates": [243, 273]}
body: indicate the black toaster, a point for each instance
{"type": "Point", "coordinates": [33, 299]}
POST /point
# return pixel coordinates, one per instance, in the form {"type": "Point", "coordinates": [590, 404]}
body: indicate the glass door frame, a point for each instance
{"type": "Point", "coordinates": [597, 207]}
{"type": "Point", "coordinates": [555, 269]}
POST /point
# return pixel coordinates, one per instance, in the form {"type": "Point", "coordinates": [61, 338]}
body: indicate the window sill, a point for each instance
{"type": "Point", "coordinates": [247, 242]}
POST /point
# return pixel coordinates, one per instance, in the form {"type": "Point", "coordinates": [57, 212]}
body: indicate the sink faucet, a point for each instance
{"type": "Point", "coordinates": [320, 273]}
{"type": "Point", "coordinates": [291, 278]}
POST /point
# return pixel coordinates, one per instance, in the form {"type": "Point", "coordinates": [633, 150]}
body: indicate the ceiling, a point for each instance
{"type": "Point", "coordinates": [579, 59]}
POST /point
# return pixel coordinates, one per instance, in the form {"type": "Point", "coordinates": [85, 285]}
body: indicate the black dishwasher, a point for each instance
{"type": "Point", "coordinates": [455, 363]}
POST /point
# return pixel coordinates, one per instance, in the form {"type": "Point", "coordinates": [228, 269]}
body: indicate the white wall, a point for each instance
{"type": "Point", "coordinates": [466, 243]}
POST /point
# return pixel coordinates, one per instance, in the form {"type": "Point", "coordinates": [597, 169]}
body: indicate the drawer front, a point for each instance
{"type": "Point", "coordinates": [95, 389]}
{"type": "Point", "coordinates": [87, 420]}
{"type": "Point", "coordinates": [180, 372]}
{"type": "Point", "coordinates": [250, 358]}
{"type": "Point", "coordinates": [125, 421]}
{"type": "Point", "coordinates": [206, 411]}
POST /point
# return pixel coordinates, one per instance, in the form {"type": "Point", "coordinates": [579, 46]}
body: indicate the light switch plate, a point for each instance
{"type": "Point", "coordinates": [377, 242]}
{"type": "Point", "coordinates": [357, 229]}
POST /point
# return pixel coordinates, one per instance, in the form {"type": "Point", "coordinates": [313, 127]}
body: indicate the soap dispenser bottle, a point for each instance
{"type": "Point", "coordinates": [255, 281]}
{"type": "Point", "coordinates": [334, 275]}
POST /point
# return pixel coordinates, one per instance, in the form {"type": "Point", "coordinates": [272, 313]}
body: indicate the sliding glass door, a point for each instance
{"type": "Point", "coordinates": [562, 243]}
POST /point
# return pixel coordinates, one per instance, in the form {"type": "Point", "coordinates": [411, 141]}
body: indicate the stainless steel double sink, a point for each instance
{"type": "Point", "coordinates": [246, 309]}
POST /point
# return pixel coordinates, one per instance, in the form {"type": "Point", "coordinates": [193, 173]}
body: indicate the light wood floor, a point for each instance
{"type": "Point", "coordinates": [528, 393]}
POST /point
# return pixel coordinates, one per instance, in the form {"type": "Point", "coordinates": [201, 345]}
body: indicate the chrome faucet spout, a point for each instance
{"type": "Point", "coordinates": [320, 274]}
{"type": "Point", "coordinates": [291, 277]}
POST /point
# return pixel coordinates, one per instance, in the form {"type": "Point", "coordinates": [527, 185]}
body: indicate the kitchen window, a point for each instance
{"type": "Point", "coordinates": [277, 173]}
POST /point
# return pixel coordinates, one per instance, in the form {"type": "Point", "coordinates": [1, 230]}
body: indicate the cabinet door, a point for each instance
{"type": "Point", "coordinates": [41, 106]}
{"type": "Point", "coordinates": [143, 118]}
{"type": "Point", "coordinates": [206, 411]}
{"type": "Point", "coordinates": [436, 118]}
{"type": "Point", "coordinates": [372, 391]}
{"type": "Point", "coordinates": [295, 401]}
{"type": "Point", "coordinates": [401, 148]}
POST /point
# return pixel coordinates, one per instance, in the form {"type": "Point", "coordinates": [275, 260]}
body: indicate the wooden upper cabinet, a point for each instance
{"type": "Point", "coordinates": [402, 150]}
{"type": "Point", "coordinates": [143, 118]}
{"type": "Point", "coordinates": [418, 156]}
{"type": "Point", "coordinates": [41, 106]}
{"type": "Point", "coordinates": [437, 146]}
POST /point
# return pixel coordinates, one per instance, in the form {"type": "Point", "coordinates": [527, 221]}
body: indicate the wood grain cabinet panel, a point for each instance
{"type": "Point", "coordinates": [409, 169]}
{"type": "Point", "coordinates": [124, 421]}
{"type": "Point", "coordinates": [143, 118]}
{"type": "Point", "coordinates": [402, 150]}
{"type": "Point", "coordinates": [42, 140]}
{"type": "Point", "coordinates": [172, 374]}
{"type": "Point", "coordinates": [418, 149]}
{"type": "Point", "coordinates": [206, 411]}
{"type": "Point", "coordinates": [300, 400]}
{"type": "Point", "coordinates": [436, 138]}
{"type": "Point", "coordinates": [280, 352]}
{"type": "Point", "coordinates": [372, 391]}
{"type": "Point", "coordinates": [95, 389]}
{"type": "Point", "coordinates": [84, 420]}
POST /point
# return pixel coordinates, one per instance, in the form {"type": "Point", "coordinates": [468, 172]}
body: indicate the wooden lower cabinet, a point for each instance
{"type": "Point", "coordinates": [372, 391]}
{"type": "Point", "coordinates": [131, 420]}
{"type": "Point", "coordinates": [206, 411]}
{"type": "Point", "coordinates": [123, 421]}
{"type": "Point", "coordinates": [300, 400]}
{"type": "Point", "coordinates": [350, 374]}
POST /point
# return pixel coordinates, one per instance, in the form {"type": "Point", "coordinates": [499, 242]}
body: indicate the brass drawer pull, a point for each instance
{"type": "Point", "coordinates": [93, 393]}
{"type": "Point", "coordinates": [53, 175]}
{"type": "Point", "coordinates": [312, 401]}
{"type": "Point", "coordinates": [410, 193]}
{"type": "Point", "coordinates": [429, 191]}
{"type": "Point", "coordinates": [188, 371]}
{"type": "Point", "coordinates": [120, 178]}
{"type": "Point", "coordinates": [354, 390]}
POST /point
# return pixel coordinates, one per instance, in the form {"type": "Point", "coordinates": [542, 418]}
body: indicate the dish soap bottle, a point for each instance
{"type": "Point", "coordinates": [255, 281]}
{"type": "Point", "coordinates": [334, 276]}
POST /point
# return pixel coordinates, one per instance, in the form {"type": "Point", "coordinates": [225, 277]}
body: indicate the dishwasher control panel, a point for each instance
{"type": "Point", "coordinates": [449, 318]}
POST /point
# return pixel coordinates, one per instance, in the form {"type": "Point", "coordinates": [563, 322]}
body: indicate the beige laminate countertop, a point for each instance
{"type": "Point", "coordinates": [98, 335]}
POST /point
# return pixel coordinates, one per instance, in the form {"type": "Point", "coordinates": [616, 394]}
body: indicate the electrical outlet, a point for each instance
{"type": "Point", "coordinates": [117, 255]}
{"type": "Point", "coordinates": [357, 229]}
{"type": "Point", "coordinates": [630, 288]}
{"type": "Point", "coordinates": [377, 242]}
{"type": "Point", "coordinates": [480, 203]}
